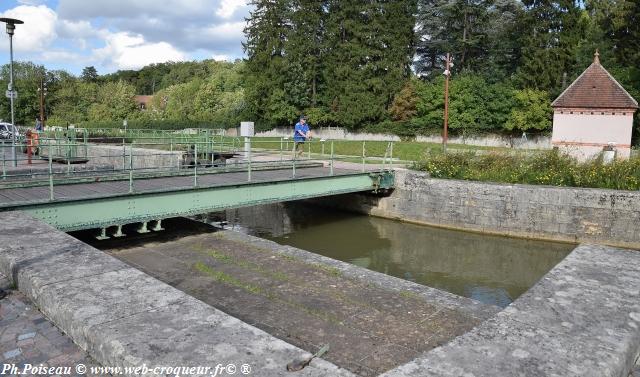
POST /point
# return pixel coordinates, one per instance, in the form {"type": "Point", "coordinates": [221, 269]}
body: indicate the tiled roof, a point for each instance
{"type": "Point", "coordinates": [143, 99]}
{"type": "Point", "coordinates": [595, 88]}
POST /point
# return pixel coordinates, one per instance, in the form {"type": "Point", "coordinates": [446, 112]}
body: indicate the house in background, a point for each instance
{"type": "Point", "coordinates": [595, 112]}
{"type": "Point", "coordinates": [143, 102]}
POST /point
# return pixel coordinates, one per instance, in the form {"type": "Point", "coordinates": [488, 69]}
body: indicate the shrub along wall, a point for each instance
{"type": "Point", "coordinates": [542, 168]}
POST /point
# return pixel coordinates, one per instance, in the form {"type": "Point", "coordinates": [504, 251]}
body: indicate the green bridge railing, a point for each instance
{"type": "Point", "coordinates": [79, 155]}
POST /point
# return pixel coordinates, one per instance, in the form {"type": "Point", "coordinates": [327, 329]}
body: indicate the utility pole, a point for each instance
{"type": "Point", "coordinates": [42, 90]}
{"type": "Point", "coordinates": [447, 73]}
{"type": "Point", "coordinates": [11, 93]}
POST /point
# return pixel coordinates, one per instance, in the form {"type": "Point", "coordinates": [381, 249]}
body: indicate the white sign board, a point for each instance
{"type": "Point", "coordinates": [9, 94]}
{"type": "Point", "coordinates": [246, 129]}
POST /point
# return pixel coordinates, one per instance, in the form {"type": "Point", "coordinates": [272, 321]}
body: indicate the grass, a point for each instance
{"type": "Point", "coordinates": [409, 295]}
{"type": "Point", "coordinates": [225, 278]}
{"type": "Point", "coordinates": [543, 168]}
{"type": "Point", "coordinates": [222, 277]}
{"type": "Point", "coordinates": [402, 150]}
{"type": "Point", "coordinates": [226, 259]}
{"type": "Point", "coordinates": [328, 269]}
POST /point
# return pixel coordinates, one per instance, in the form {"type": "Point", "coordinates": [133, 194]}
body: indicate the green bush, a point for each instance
{"type": "Point", "coordinates": [541, 168]}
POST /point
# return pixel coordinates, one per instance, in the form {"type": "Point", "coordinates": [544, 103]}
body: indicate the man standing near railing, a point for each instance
{"type": "Point", "coordinates": [300, 134]}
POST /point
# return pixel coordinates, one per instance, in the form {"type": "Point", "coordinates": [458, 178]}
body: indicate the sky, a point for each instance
{"type": "Point", "coordinates": [122, 34]}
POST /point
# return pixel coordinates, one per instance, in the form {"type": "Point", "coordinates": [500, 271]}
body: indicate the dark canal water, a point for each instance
{"type": "Point", "coordinates": [491, 269]}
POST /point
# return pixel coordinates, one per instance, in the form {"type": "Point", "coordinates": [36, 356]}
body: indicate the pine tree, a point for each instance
{"type": "Point", "coordinates": [551, 33]}
{"type": "Point", "coordinates": [368, 57]}
{"type": "Point", "coordinates": [503, 50]}
{"type": "Point", "coordinates": [89, 74]}
{"type": "Point", "coordinates": [433, 21]}
{"type": "Point", "coordinates": [475, 32]}
{"type": "Point", "coordinates": [267, 28]}
{"type": "Point", "coordinates": [625, 32]}
{"type": "Point", "coordinates": [305, 51]}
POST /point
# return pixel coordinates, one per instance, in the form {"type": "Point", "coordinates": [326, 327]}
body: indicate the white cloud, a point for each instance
{"type": "Point", "coordinates": [31, 2]}
{"type": "Point", "coordinates": [130, 51]}
{"type": "Point", "coordinates": [38, 30]}
{"type": "Point", "coordinates": [80, 9]}
{"type": "Point", "coordinates": [228, 7]}
{"type": "Point", "coordinates": [190, 25]}
{"type": "Point", "coordinates": [76, 31]}
{"type": "Point", "coordinates": [123, 34]}
{"type": "Point", "coordinates": [226, 31]}
{"type": "Point", "coordinates": [60, 55]}
{"type": "Point", "coordinates": [221, 58]}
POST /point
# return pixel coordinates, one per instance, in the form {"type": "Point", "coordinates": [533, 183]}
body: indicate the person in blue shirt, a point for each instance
{"type": "Point", "coordinates": [301, 134]}
{"type": "Point", "coordinates": [38, 125]}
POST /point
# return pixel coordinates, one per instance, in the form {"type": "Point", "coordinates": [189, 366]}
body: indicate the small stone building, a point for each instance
{"type": "Point", "coordinates": [593, 113]}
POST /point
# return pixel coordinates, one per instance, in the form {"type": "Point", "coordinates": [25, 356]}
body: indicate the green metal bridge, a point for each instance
{"type": "Point", "coordinates": [74, 199]}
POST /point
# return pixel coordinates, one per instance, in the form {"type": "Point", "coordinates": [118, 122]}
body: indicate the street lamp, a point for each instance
{"type": "Point", "coordinates": [42, 91]}
{"type": "Point", "coordinates": [447, 74]}
{"type": "Point", "coordinates": [11, 27]}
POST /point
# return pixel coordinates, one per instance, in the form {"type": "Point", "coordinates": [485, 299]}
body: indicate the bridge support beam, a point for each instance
{"type": "Point", "coordinates": [103, 234]}
{"type": "Point", "coordinates": [143, 228]}
{"type": "Point", "coordinates": [69, 215]}
{"type": "Point", "coordinates": [158, 227]}
{"type": "Point", "coordinates": [118, 232]}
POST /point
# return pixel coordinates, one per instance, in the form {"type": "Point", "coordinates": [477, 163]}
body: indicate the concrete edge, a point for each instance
{"type": "Point", "coordinates": [123, 317]}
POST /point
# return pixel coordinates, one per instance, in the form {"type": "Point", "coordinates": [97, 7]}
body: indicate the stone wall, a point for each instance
{"type": "Point", "coordinates": [556, 213]}
{"type": "Point", "coordinates": [338, 133]}
{"type": "Point", "coordinates": [143, 158]}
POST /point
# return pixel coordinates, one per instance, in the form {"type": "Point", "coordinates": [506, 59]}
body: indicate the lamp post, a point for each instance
{"type": "Point", "coordinates": [447, 74]}
{"type": "Point", "coordinates": [42, 91]}
{"type": "Point", "coordinates": [11, 27]}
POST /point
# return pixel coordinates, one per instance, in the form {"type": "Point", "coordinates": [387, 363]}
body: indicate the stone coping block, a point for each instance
{"type": "Point", "coordinates": [125, 318]}
{"type": "Point", "coordinates": [581, 319]}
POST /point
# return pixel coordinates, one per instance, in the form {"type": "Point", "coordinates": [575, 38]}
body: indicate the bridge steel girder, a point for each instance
{"type": "Point", "coordinates": [70, 215]}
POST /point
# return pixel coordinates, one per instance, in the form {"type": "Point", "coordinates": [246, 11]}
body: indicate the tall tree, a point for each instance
{"type": "Point", "coordinates": [114, 101]}
{"type": "Point", "coordinates": [476, 32]}
{"type": "Point", "coordinates": [305, 51]}
{"type": "Point", "coordinates": [89, 74]}
{"type": "Point", "coordinates": [370, 48]}
{"type": "Point", "coordinates": [551, 31]}
{"type": "Point", "coordinates": [266, 66]}
{"type": "Point", "coordinates": [26, 79]}
{"type": "Point", "coordinates": [503, 50]}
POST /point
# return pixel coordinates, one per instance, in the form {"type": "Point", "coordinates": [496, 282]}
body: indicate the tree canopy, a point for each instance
{"type": "Point", "coordinates": [366, 65]}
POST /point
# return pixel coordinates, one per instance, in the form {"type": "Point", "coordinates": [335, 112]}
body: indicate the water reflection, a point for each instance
{"type": "Point", "coordinates": [494, 270]}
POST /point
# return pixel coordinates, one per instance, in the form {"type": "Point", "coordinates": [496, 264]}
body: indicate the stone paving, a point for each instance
{"type": "Point", "coordinates": [27, 337]}
{"type": "Point", "coordinates": [370, 329]}
{"type": "Point", "coordinates": [636, 370]}
{"type": "Point", "coordinates": [125, 318]}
